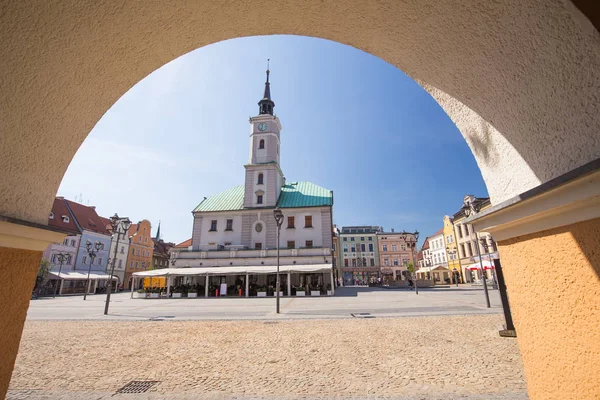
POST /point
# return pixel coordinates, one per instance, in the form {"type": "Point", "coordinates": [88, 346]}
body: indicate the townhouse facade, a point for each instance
{"type": "Point", "coordinates": [395, 255]}
{"type": "Point", "coordinates": [359, 254]}
{"type": "Point", "coordinates": [86, 226]}
{"type": "Point", "coordinates": [473, 245]}
{"type": "Point", "coordinates": [141, 247]}
{"type": "Point", "coordinates": [452, 250]}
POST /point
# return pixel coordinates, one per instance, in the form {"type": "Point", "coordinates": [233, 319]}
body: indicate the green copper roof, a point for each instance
{"type": "Point", "coordinates": [229, 200]}
{"type": "Point", "coordinates": [297, 194]}
{"type": "Point", "coordinates": [304, 194]}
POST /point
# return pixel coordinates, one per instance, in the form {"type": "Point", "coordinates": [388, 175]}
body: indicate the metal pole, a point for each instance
{"type": "Point", "coordinates": [485, 288]}
{"type": "Point", "coordinates": [457, 252]}
{"type": "Point", "coordinates": [87, 281]}
{"type": "Point", "coordinates": [413, 245]}
{"type": "Point", "coordinates": [277, 285]}
{"type": "Point", "coordinates": [112, 271]}
{"type": "Point", "coordinates": [510, 328]}
{"type": "Point", "coordinates": [60, 260]}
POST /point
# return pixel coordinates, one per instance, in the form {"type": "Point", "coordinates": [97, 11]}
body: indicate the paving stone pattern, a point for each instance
{"type": "Point", "coordinates": [449, 357]}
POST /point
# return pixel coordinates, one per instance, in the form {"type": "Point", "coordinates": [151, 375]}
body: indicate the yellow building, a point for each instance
{"type": "Point", "coordinates": [452, 250]}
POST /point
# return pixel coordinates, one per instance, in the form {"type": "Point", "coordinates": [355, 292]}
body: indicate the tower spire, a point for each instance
{"type": "Point", "coordinates": [158, 232]}
{"type": "Point", "coordinates": [266, 105]}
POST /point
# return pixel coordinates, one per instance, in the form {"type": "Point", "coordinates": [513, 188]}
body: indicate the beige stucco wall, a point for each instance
{"type": "Point", "coordinates": [527, 68]}
{"type": "Point", "coordinates": [18, 269]}
{"type": "Point", "coordinates": [553, 280]}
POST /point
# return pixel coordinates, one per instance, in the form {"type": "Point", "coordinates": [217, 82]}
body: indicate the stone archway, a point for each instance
{"type": "Point", "coordinates": [520, 80]}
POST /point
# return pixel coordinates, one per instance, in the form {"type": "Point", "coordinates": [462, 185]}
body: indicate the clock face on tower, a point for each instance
{"type": "Point", "coordinates": [262, 126]}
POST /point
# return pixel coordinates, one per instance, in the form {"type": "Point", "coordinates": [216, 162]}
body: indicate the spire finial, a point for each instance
{"type": "Point", "coordinates": [268, 71]}
{"type": "Point", "coordinates": [266, 105]}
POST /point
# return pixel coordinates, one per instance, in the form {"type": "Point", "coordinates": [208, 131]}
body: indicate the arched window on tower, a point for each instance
{"type": "Point", "coordinates": [261, 144]}
{"type": "Point", "coordinates": [260, 179]}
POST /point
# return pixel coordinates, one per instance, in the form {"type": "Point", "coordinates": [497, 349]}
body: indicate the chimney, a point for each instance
{"type": "Point", "coordinates": [392, 230]}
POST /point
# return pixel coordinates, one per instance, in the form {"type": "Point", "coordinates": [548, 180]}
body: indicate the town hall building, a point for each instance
{"type": "Point", "coordinates": [234, 237]}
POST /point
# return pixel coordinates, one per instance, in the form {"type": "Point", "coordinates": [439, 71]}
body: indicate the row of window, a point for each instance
{"type": "Point", "coordinates": [143, 253]}
{"type": "Point", "coordinates": [395, 262]}
{"type": "Point", "coordinates": [362, 238]}
{"type": "Point", "coordinates": [468, 249]}
{"type": "Point", "coordinates": [464, 230]}
{"type": "Point", "coordinates": [95, 260]}
{"type": "Point", "coordinates": [138, 265]}
{"type": "Point", "coordinates": [69, 242]}
{"type": "Point", "coordinates": [437, 243]}
{"type": "Point", "coordinates": [308, 223]}
{"type": "Point", "coordinates": [394, 247]}
{"type": "Point", "coordinates": [66, 261]}
{"type": "Point", "coordinates": [362, 247]}
{"type": "Point", "coordinates": [359, 262]}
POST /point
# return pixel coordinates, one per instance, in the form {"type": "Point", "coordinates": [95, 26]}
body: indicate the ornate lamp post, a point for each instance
{"type": "Point", "coordinates": [455, 272]}
{"type": "Point", "coordinates": [120, 227]}
{"type": "Point", "coordinates": [412, 243]}
{"type": "Point", "coordinates": [92, 250]}
{"type": "Point", "coordinates": [278, 214]}
{"type": "Point", "coordinates": [62, 257]}
{"type": "Point", "coordinates": [469, 208]}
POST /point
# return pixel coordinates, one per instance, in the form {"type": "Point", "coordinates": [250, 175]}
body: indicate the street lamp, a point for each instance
{"type": "Point", "coordinates": [62, 257]}
{"type": "Point", "coordinates": [120, 227]}
{"type": "Point", "coordinates": [412, 243]}
{"type": "Point", "coordinates": [92, 250]}
{"type": "Point", "coordinates": [278, 214]}
{"type": "Point", "coordinates": [469, 208]}
{"type": "Point", "coordinates": [455, 272]}
{"type": "Point", "coordinates": [486, 249]}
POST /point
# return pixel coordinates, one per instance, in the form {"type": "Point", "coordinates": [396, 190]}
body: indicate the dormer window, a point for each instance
{"type": "Point", "coordinates": [260, 179]}
{"type": "Point", "coordinates": [51, 215]}
{"type": "Point", "coordinates": [261, 144]}
{"type": "Point", "coordinates": [65, 219]}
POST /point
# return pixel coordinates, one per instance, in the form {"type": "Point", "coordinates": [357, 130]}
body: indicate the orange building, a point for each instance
{"type": "Point", "coordinates": [141, 248]}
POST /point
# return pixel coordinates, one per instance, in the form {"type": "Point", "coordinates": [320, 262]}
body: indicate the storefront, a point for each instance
{"type": "Point", "coordinates": [473, 273]}
{"type": "Point", "coordinates": [73, 282]}
{"type": "Point", "coordinates": [439, 275]}
{"type": "Point", "coordinates": [241, 281]}
{"type": "Point", "coordinates": [360, 276]}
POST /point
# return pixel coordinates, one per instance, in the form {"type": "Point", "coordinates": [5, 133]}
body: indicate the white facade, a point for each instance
{"type": "Point", "coordinates": [237, 226]}
{"type": "Point", "coordinates": [437, 250]}
{"type": "Point", "coordinates": [121, 257]}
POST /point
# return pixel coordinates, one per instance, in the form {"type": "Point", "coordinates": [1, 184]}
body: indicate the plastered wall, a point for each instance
{"type": "Point", "coordinates": [553, 280]}
{"type": "Point", "coordinates": [529, 69]}
{"type": "Point", "coordinates": [18, 269]}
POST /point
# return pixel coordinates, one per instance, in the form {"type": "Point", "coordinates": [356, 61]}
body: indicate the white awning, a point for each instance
{"type": "Point", "coordinates": [237, 270]}
{"type": "Point", "coordinates": [74, 275]}
{"type": "Point", "coordinates": [486, 264]}
{"type": "Point", "coordinates": [429, 269]}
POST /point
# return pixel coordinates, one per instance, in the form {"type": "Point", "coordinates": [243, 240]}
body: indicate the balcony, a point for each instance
{"type": "Point", "coordinates": [206, 252]}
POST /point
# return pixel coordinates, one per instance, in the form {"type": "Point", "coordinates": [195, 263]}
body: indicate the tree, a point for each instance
{"type": "Point", "coordinates": [44, 269]}
{"type": "Point", "coordinates": [410, 268]}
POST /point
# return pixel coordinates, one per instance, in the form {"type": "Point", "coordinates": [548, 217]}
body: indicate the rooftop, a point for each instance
{"type": "Point", "coordinates": [293, 195]}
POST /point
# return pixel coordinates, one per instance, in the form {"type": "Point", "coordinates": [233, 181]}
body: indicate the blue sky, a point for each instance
{"type": "Point", "coordinates": [351, 123]}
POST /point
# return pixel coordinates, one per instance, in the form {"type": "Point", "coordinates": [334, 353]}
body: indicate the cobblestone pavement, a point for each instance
{"type": "Point", "coordinates": [410, 358]}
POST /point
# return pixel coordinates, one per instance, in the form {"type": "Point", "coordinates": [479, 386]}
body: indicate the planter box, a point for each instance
{"type": "Point", "coordinates": [177, 295]}
{"type": "Point", "coordinates": [192, 295]}
{"type": "Point", "coordinates": [154, 295]}
{"type": "Point", "coordinates": [137, 295]}
{"type": "Point", "coordinates": [275, 294]}
{"type": "Point", "coordinates": [315, 293]}
{"type": "Point", "coordinates": [329, 293]}
{"type": "Point", "coordinates": [300, 293]}
{"type": "Point", "coordinates": [261, 294]}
